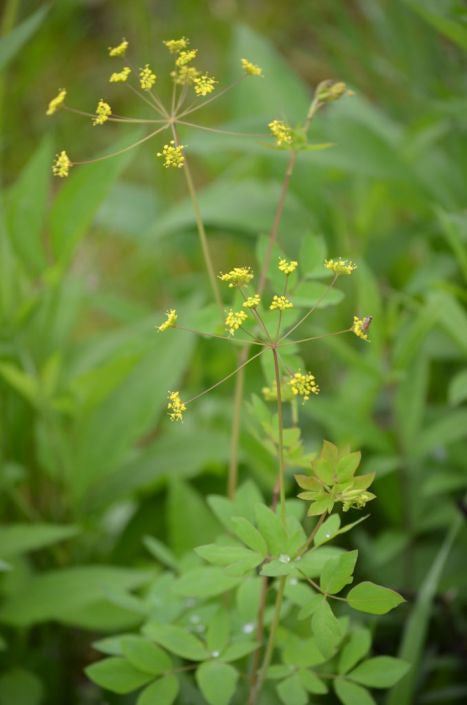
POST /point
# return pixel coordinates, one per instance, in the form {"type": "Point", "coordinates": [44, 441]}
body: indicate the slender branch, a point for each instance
{"type": "Point", "coordinates": [280, 425]}
{"type": "Point", "coordinates": [219, 337]}
{"type": "Point", "coordinates": [315, 337]}
{"type": "Point", "coordinates": [312, 535]}
{"type": "Point", "coordinates": [114, 117]}
{"type": "Point", "coordinates": [219, 131]}
{"type": "Point", "coordinates": [224, 379]}
{"type": "Point", "coordinates": [320, 299]}
{"type": "Point", "coordinates": [197, 106]}
{"type": "Point", "coordinates": [236, 423]}
{"type": "Point", "coordinates": [146, 100]}
{"type": "Point", "coordinates": [121, 151]}
{"type": "Point", "coordinates": [201, 229]}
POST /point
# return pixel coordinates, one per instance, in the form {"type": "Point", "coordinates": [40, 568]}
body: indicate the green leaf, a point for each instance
{"type": "Point", "coordinates": [355, 649]}
{"type": "Point", "coordinates": [352, 694]}
{"type": "Point", "coordinates": [27, 207]}
{"type": "Point", "coordinates": [338, 572]}
{"type": "Point", "coordinates": [373, 599]}
{"type": "Point", "coordinates": [26, 385]}
{"type": "Point", "coordinates": [313, 562]}
{"type": "Point", "coordinates": [347, 466]}
{"type": "Point", "coordinates": [20, 687]}
{"type": "Point", "coordinates": [79, 198]}
{"type": "Point", "coordinates": [291, 691]}
{"type": "Point", "coordinates": [314, 294]}
{"type": "Point", "coordinates": [250, 535]}
{"type": "Point", "coordinates": [312, 256]}
{"type": "Point", "coordinates": [160, 552]}
{"type": "Point", "coordinates": [203, 526]}
{"type": "Point", "coordinates": [457, 392]}
{"type": "Point", "coordinates": [11, 44]}
{"type": "Point", "coordinates": [221, 554]}
{"type": "Point", "coordinates": [177, 640]}
{"type": "Point", "coordinates": [145, 655]}
{"type": "Point", "coordinates": [248, 598]}
{"type": "Point", "coordinates": [205, 582]}
{"type": "Point", "coordinates": [312, 683]}
{"type": "Point", "coordinates": [327, 530]}
{"type": "Point", "coordinates": [117, 674]}
{"type": "Point", "coordinates": [163, 692]}
{"type": "Point", "coordinates": [16, 539]}
{"type": "Point", "coordinates": [238, 649]}
{"type": "Point", "coordinates": [217, 682]}
{"type": "Point", "coordinates": [270, 527]}
{"type": "Point", "coordinates": [379, 672]}
{"type": "Point", "coordinates": [218, 633]}
{"type": "Point", "coordinates": [326, 629]}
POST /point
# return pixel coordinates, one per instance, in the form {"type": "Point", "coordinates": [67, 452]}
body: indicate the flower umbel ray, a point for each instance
{"type": "Point", "coordinates": [176, 407]}
{"type": "Point", "coordinates": [238, 276]}
{"type": "Point", "coordinates": [170, 321]}
{"type": "Point", "coordinates": [340, 265]}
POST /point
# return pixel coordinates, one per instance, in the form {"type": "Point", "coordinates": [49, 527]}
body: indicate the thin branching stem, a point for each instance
{"type": "Point", "coordinates": [312, 309]}
{"type": "Point", "coordinates": [219, 131]}
{"type": "Point", "coordinates": [280, 428]}
{"type": "Point", "coordinates": [315, 337]}
{"type": "Point", "coordinates": [219, 337]}
{"type": "Point", "coordinates": [114, 118]}
{"type": "Point", "coordinates": [197, 106]}
{"type": "Point", "coordinates": [125, 149]}
{"type": "Point", "coordinates": [224, 379]}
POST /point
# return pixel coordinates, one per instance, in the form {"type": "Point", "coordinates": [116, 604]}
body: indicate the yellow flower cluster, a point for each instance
{"type": "Point", "coordinates": [280, 303]}
{"type": "Point", "coordinates": [103, 112]}
{"type": "Point", "coordinates": [303, 385]}
{"type": "Point", "coordinates": [173, 156]}
{"type": "Point", "coordinates": [56, 102]}
{"type": "Point", "coordinates": [340, 266]}
{"type": "Point", "coordinates": [238, 276]}
{"type": "Point", "coordinates": [234, 320]}
{"type": "Point", "coordinates": [287, 266]}
{"type": "Point", "coordinates": [252, 301]}
{"type": "Point", "coordinates": [186, 57]}
{"type": "Point", "coordinates": [251, 69]}
{"type": "Point", "coordinates": [147, 78]}
{"type": "Point", "coordinates": [282, 132]}
{"type": "Point", "coordinates": [176, 45]}
{"type": "Point", "coordinates": [175, 407]}
{"type": "Point", "coordinates": [120, 76]}
{"type": "Point", "coordinates": [120, 49]}
{"type": "Point", "coordinates": [61, 165]}
{"type": "Point", "coordinates": [204, 84]}
{"type": "Point", "coordinates": [169, 322]}
{"type": "Point", "coordinates": [360, 326]}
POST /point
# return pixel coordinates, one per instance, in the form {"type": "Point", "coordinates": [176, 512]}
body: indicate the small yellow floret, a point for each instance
{"type": "Point", "coordinates": [204, 84]}
{"type": "Point", "coordinates": [280, 303]}
{"type": "Point", "coordinates": [120, 49]}
{"type": "Point", "coordinates": [251, 69]}
{"type": "Point", "coordinates": [176, 45]}
{"type": "Point", "coordinates": [103, 112]}
{"type": "Point", "coordinates": [287, 266]}
{"type": "Point", "coordinates": [185, 57]}
{"type": "Point", "coordinates": [185, 75]}
{"type": "Point", "coordinates": [360, 326]}
{"type": "Point", "coordinates": [340, 266]}
{"type": "Point", "coordinates": [56, 102]}
{"type": "Point", "coordinates": [282, 132]}
{"type": "Point", "coordinates": [62, 164]}
{"type": "Point", "coordinates": [238, 276]}
{"type": "Point", "coordinates": [147, 78]}
{"type": "Point", "coordinates": [252, 301]}
{"type": "Point", "coordinates": [170, 321]}
{"type": "Point", "coordinates": [120, 76]}
{"type": "Point", "coordinates": [234, 320]}
{"type": "Point", "coordinates": [173, 156]}
{"type": "Point", "coordinates": [303, 385]}
{"type": "Point", "coordinates": [175, 407]}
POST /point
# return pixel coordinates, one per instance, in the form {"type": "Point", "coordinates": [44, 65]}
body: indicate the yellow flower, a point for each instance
{"type": "Point", "coordinates": [176, 45]}
{"type": "Point", "coordinates": [147, 78]}
{"type": "Point", "coordinates": [185, 75]}
{"type": "Point", "coordinates": [56, 102]}
{"type": "Point", "coordinates": [234, 320]}
{"type": "Point", "coordinates": [185, 57]}
{"type": "Point", "coordinates": [360, 326]}
{"type": "Point", "coordinates": [204, 84]}
{"type": "Point", "coordinates": [62, 164]}
{"type": "Point", "coordinates": [238, 276]}
{"type": "Point", "coordinates": [303, 384]}
{"type": "Point", "coordinates": [173, 156]}
{"type": "Point", "coordinates": [120, 76]}
{"type": "Point", "coordinates": [252, 301]}
{"type": "Point", "coordinates": [251, 69]}
{"type": "Point", "coordinates": [169, 322]}
{"type": "Point", "coordinates": [340, 266]}
{"type": "Point", "coordinates": [175, 407]}
{"type": "Point", "coordinates": [282, 132]}
{"type": "Point", "coordinates": [287, 266]}
{"type": "Point", "coordinates": [103, 112]}
{"type": "Point", "coordinates": [120, 49]}
{"type": "Point", "coordinates": [280, 303]}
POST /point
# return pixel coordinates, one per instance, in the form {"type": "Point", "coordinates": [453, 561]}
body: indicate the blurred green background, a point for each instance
{"type": "Point", "coordinates": [89, 462]}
